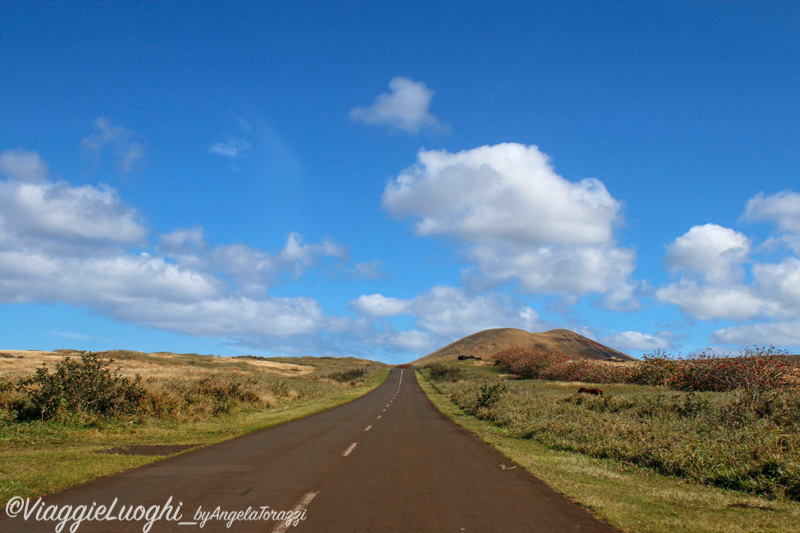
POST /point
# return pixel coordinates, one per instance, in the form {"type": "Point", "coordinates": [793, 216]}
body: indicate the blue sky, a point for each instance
{"type": "Point", "coordinates": [379, 179]}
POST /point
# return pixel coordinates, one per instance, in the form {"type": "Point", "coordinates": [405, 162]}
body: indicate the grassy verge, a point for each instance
{"type": "Point", "coordinates": [631, 498]}
{"type": "Point", "coordinates": [40, 457]}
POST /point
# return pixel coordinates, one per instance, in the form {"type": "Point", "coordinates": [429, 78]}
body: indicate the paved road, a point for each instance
{"type": "Point", "coordinates": [387, 462]}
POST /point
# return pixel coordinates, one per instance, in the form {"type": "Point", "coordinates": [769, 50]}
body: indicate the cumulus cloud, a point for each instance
{"type": "Point", "coordinates": [714, 263]}
{"type": "Point", "coordinates": [712, 251]}
{"type": "Point", "coordinates": [117, 139]}
{"type": "Point", "coordinates": [452, 312]}
{"type": "Point", "coordinates": [405, 107]}
{"type": "Point", "coordinates": [636, 341]}
{"type": "Point", "coordinates": [707, 302]}
{"type": "Point", "coordinates": [783, 209]}
{"type": "Point", "coordinates": [73, 244]}
{"type": "Point", "coordinates": [21, 165]}
{"type": "Point", "coordinates": [444, 314]}
{"type": "Point", "coordinates": [377, 305]}
{"type": "Point", "coordinates": [41, 211]}
{"type": "Point", "coordinates": [783, 333]}
{"type": "Point", "coordinates": [518, 220]}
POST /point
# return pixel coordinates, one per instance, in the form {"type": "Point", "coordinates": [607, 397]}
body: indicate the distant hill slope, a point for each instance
{"type": "Point", "coordinates": [485, 344]}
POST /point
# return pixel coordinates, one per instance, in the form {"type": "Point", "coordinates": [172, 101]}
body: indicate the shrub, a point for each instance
{"type": "Point", "coordinates": [85, 385]}
{"type": "Point", "coordinates": [347, 376]}
{"type": "Point", "coordinates": [530, 364]}
{"type": "Point", "coordinates": [757, 370]}
{"type": "Point", "coordinates": [654, 369]}
{"type": "Point", "coordinates": [488, 395]}
{"type": "Point", "coordinates": [442, 372]}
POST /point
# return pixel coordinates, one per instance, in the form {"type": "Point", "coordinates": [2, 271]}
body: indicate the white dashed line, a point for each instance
{"type": "Point", "coordinates": [349, 449]}
{"type": "Point", "coordinates": [298, 510]}
{"type": "Point", "coordinates": [368, 428]}
{"type": "Point", "coordinates": [379, 417]}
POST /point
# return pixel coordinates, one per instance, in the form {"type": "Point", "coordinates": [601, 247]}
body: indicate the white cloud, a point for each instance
{"type": "Point", "coordinates": [43, 211]}
{"type": "Point", "coordinates": [414, 341]}
{"type": "Point", "coordinates": [70, 244]}
{"type": "Point", "coordinates": [712, 251]}
{"type": "Point", "coordinates": [785, 333]}
{"type": "Point", "coordinates": [109, 136]}
{"type": "Point", "coordinates": [443, 314]}
{"type": "Point", "coordinates": [565, 270]}
{"type": "Point", "coordinates": [369, 269]}
{"type": "Point", "coordinates": [451, 312]}
{"type": "Point", "coordinates": [232, 149]}
{"type": "Point", "coordinates": [783, 209]}
{"type": "Point", "coordinates": [305, 255]}
{"type": "Point", "coordinates": [405, 107]}
{"type": "Point", "coordinates": [780, 283]}
{"type": "Point", "coordinates": [377, 305]}
{"type": "Point", "coordinates": [519, 220]}
{"type": "Point", "coordinates": [21, 165]}
{"type": "Point", "coordinates": [713, 263]}
{"type": "Point", "coordinates": [634, 340]}
{"type": "Point", "coordinates": [506, 192]}
{"type": "Point", "coordinates": [707, 302]}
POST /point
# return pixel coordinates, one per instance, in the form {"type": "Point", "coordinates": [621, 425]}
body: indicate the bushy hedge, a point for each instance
{"type": "Point", "coordinates": [84, 385]}
{"type": "Point", "coordinates": [442, 372]}
{"type": "Point", "coordinates": [756, 369]}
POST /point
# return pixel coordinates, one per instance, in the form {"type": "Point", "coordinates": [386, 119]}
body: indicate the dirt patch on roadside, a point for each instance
{"type": "Point", "coordinates": [148, 449]}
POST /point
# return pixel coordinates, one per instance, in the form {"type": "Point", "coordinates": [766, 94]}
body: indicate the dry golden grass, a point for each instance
{"type": "Point", "coordinates": [485, 344]}
{"type": "Point", "coordinates": [15, 363]}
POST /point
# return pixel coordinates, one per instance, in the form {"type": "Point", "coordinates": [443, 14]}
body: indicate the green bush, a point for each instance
{"type": "Point", "coordinates": [442, 372]}
{"type": "Point", "coordinates": [346, 376]}
{"type": "Point", "coordinates": [85, 385]}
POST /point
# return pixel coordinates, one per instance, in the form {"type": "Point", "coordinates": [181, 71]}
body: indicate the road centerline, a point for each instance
{"type": "Point", "coordinates": [349, 449]}
{"type": "Point", "coordinates": [298, 510]}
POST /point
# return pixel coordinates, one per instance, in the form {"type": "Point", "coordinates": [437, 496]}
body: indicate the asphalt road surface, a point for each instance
{"type": "Point", "coordinates": [387, 462]}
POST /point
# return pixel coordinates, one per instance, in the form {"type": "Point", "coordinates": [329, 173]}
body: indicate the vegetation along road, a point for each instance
{"type": "Point", "coordinates": [388, 461]}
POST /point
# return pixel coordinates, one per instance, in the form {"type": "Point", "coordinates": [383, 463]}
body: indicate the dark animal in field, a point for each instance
{"type": "Point", "coordinates": [596, 392]}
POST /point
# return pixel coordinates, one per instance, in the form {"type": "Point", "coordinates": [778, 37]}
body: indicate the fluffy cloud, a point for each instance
{"type": "Point", "coordinates": [405, 107]}
{"type": "Point", "coordinates": [377, 305]}
{"type": "Point", "coordinates": [712, 251]}
{"type": "Point", "coordinates": [71, 244]}
{"type": "Point", "coordinates": [20, 165]}
{"type": "Point", "coordinates": [251, 270]}
{"type": "Point", "coordinates": [451, 312]}
{"type": "Point", "coordinates": [507, 192]}
{"type": "Point", "coordinates": [783, 209]}
{"type": "Point", "coordinates": [709, 302]}
{"type": "Point", "coordinates": [518, 219]}
{"type": "Point", "coordinates": [714, 263]}
{"type": "Point", "coordinates": [116, 138]}
{"type": "Point", "coordinates": [786, 333]}
{"type": "Point", "coordinates": [634, 340]}
{"type": "Point", "coordinates": [443, 314]}
{"type": "Point", "coordinates": [61, 214]}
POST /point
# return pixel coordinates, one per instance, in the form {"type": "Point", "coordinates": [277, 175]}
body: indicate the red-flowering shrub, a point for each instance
{"type": "Point", "coordinates": [756, 369]}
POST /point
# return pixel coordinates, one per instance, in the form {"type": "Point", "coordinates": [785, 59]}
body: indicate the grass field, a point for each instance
{"type": "Point", "coordinates": [190, 400]}
{"type": "Point", "coordinates": [643, 458]}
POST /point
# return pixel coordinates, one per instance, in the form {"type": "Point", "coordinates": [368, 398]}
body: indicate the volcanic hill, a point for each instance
{"type": "Point", "coordinates": [485, 344]}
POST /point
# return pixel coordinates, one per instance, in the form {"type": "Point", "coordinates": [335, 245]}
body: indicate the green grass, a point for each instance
{"type": "Point", "coordinates": [40, 457]}
{"type": "Point", "coordinates": [630, 497]}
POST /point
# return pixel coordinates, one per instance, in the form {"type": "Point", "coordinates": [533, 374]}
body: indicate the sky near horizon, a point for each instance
{"type": "Point", "coordinates": [379, 179]}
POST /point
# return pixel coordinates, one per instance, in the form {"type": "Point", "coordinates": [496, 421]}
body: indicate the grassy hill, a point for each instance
{"type": "Point", "coordinates": [485, 344]}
